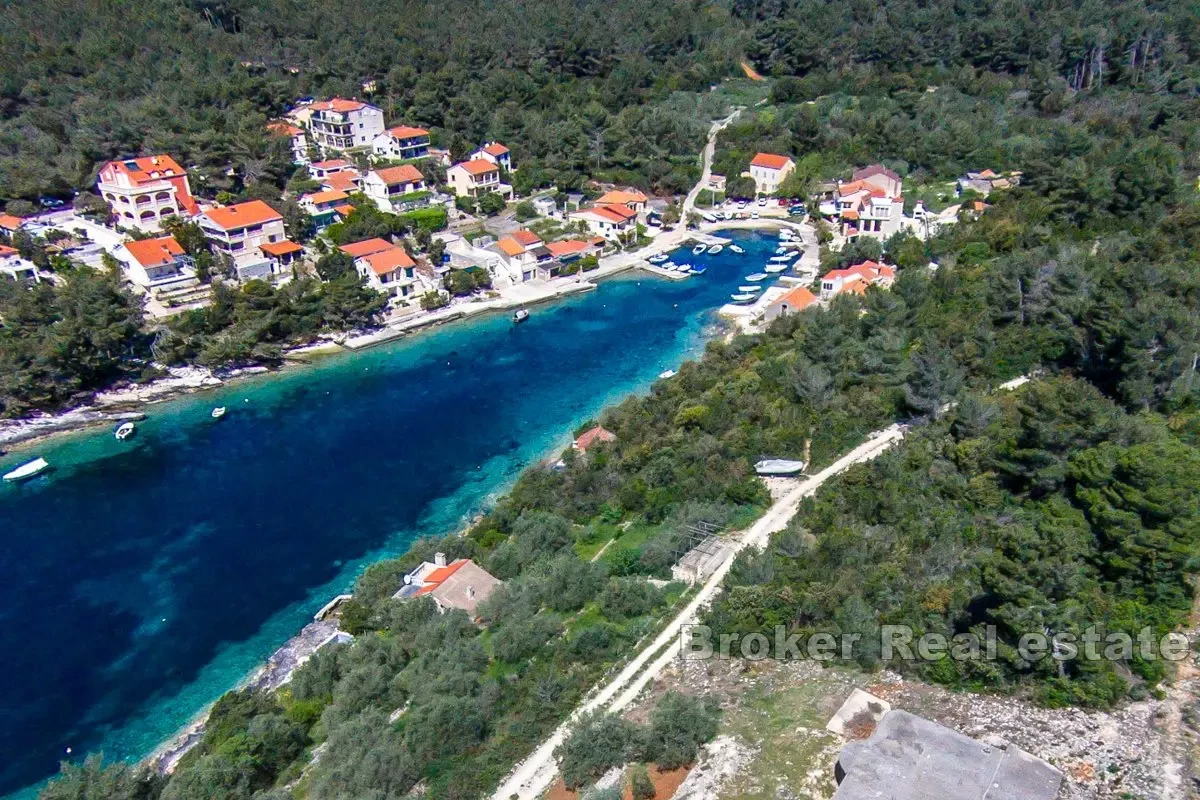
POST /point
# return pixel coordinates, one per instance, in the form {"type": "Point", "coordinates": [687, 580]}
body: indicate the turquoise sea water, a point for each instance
{"type": "Point", "coordinates": [140, 580]}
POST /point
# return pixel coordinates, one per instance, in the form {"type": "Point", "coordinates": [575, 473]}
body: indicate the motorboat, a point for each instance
{"type": "Point", "coordinates": [781, 467]}
{"type": "Point", "coordinates": [780, 250]}
{"type": "Point", "coordinates": [758, 276]}
{"type": "Point", "coordinates": [684, 269]}
{"type": "Point", "coordinates": [658, 259]}
{"type": "Point", "coordinates": [774, 268]}
{"type": "Point", "coordinates": [743, 297]}
{"type": "Point", "coordinates": [733, 248]}
{"type": "Point", "coordinates": [26, 471]}
{"type": "Point", "coordinates": [670, 373]}
{"type": "Point", "coordinates": [750, 288]}
{"type": "Point", "coordinates": [698, 249]}
{"type": "Point", "coordinates": [787, 255]}
{"type": "Point", "coordinates": [124, 431]}
{"type": "Point", "coordinates": [716, 248]}
{"type": "Point", "coordinates": [218, 412]}
{"type": "Point", "coordinates": [520, 315]}
{"type": "Point", "coordinates": [699, 270]}
{"type": "Point", "coordinates": [670, 266]}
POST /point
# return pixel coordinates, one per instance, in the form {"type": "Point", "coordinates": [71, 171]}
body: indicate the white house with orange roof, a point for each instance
{"type": "Point", "coordinates": [792, 302]}
{"type": "Point", "coordinates": [402, 141]}
{"type": "Point", "coordinates": [239, 231]}
{"type": "Point", "coordinates": [456, 585]}
{"type": "Point", "coordinates": [10, 224]}
{"type": "Point", "coordinates": [387, 186]}
{"type": "Point", "coordinates": [769, 171]}
{"type": "Point", "coordinates": [296, 136]}
{"type": "Point", "coordinates": [341, 124]}
{"type": "Point", "coordinates": [391, 271]}
{"type": "Point", "coordinates": [613, 221]}
{"type": "Point", "coordinates": [866, 207]}
{"type": "Point", "coordinates": [521, 251]}
{"type": "Point", "coordinates": [16, 268]}
{"type": "Point", "coordinates": [347, 180]}
{"type": "Point", "coordinates": [159, 263]}
{"type": "Point", "coordinates": [625, 197]}
{"type": "Point", "coordinates": [476, 177]}
{"type": "Point", "coordinates": [856, 279]}
{"type": "Point", "coordinates": [142, 192]}
{"type": "Point", "coordinates": [880, 177]}
{"type": "Point", "coordinates": [320, 170]}
{"type": "Point", "coordinates": [496, 153]}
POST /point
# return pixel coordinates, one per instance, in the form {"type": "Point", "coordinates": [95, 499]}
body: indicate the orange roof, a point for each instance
{"type": "Point", "coordinates": [6, 251]}
{"type": "Point", "coordinates": [147, 168]}
{"type": "Point", "coordinates": [338, 104]}
{"type": "Point", "coordinates": [9, 222]}
{"type": "Point", "coordinates": [407, 132]}
{"type": "Point", "coordinates": [592, 436]}
{"type": "Point", "coordinates": [345, 210]}
{"type": "Point", "coordinates": [284, 128]}
{"type": "Point", "coordinates": [344, 181]}
{"type": "Point", "coordinates": [280, 248]}
{"type": "Point", "coordinates": [328, 196]}
{"type": "Point", "coordinates": [987, 173]}
{"type": "Point", "coordinates": [566, 247]}
{"type": "Point", "coordinates": [366, 247]}
{"type": "Point", "coordinates": [797, 299]}
{"type": "Point", "coordinates": [154, 252]}
{"type": "Point", "coordinates": [439, 576]}
{"type": "Point", "coordinates": [495, 149]}
{"type": "Point", "coordinates": [510, 246]}
{"type": "Point", "coordinates": [255, 212]}
{"type": "Point", "coordinates": [478, 166]}
{"type": "Point", "coordinates": [614, 212]}
{"type": "Point", "coordinates": [622, 197]}
{"type": "Point", "coordinates": [770, 161]}
{"type": "Point", "coordinates": [402, 174]}
{"type": "Point", "coordinates": [527, 238]}
{"type": "Point", "coordinates": [858, 287]}
{"type": "Point", "coordinates": [860, 186]}
{"type": "Point", "coordinates": [850, 213]}
{"type": "Point", "coordinates": [389, 260]}
{"type": "Point", "coordinates": [332, 164]}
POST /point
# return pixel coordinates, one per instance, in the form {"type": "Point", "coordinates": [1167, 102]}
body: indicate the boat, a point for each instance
{"type": "Point", "coordinates": [26, 471]}
{"type": "Point", "coordinates": [218, 412]}
{"type": "Point", "coordinates": [743, 297]}
{"type": "Point", "coordinates": [670, 266]}
{"type": "Point", "coordinates": [520, 315]}
{"type": "Point", "coordinates": [779, 466]}
{"type": "Point", "coordinates": [716, 248]}
{"type": "Point", "coordinates": [684, 269]}
{"type": "Point", "coordinates": [786, 256]}
{"type": "Point", "coordinates": [754, 287]}
{"type": "Point", "coordinates": [774, 268]}
{"type": "Point", "coordinates": [780, 250]}
{"type": "Point", "coordinates": [124, 431]}
{"type": "Point", "coordinates": [758, 276]}
{"type": "Point", "coordinates": [698, 249]}
{"type": "Point", "coordinates": [699, 270]}
{"type": "Point", "coordinates": [736, 249]}
{"type": "Point", "coordinates": [670, 373]}
{"type": "Point", "coordinates": [785, 234]}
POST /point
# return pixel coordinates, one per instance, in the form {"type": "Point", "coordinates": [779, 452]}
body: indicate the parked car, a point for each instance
{"type": "Point", "coordinates": [753, 215]}
{"type": "Point", "coordinates": [783, 202]}
{"type": "Point", "coordinates": [741, 204]}
{"type": "Point", "coordinates": [762, 201]}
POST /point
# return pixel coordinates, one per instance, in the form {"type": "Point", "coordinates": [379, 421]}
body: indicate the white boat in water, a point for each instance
{"type": "Point", "coordinates": [26, 471]}
{"type": "Point", "coordinates": [758, 276]}
{"type": "Point", "coordinates": [698, 249]}
{"type": "Point", "coordinates": [670, 266]}
{"type": "Point", "coordinates": [750, 288]}
{"type": "Point", "coordinates": [743, 297]}
{"type": "Point", "coordinates": [779, 466]}
{"type": "Point", "coordinates": [788, 256]}
{"type": "Point", "coordinates": [520, 315]}
{"type": "Point", "coordinates": [684, 269]}
{"type": "Point", "coordinates": [774, 268]}
{"type": "Point", "coordinates": [124, 431]}
{"type": "Point", "coordinates": [736, 249]}
{"type": "Point", "coordinates": [716, 248]}
{"type": "Point", "coordinates": [670, 373]}
{"type": "Point", "coordinates": [218, 412]}
{"type": "Point", "coordinates": [658, 259]}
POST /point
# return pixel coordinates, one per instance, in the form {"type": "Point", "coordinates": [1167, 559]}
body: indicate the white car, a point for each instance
{"type": "Point", "coordinates": [762, 201]}
{"type": "Point", "coordinates": [753, 215]}
{"type": "Point", "coordinates": [741, 204]}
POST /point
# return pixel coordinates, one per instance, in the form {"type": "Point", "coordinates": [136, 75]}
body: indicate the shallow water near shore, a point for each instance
{"type": "Point", "coordinates": [140, 580]}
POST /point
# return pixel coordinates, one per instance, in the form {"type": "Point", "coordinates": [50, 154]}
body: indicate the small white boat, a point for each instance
{"type": "Point", "coordinates": [658, 259]}
{"type": "Point", "coordinates": [218, 412]}
{"type": "Point", "coordinates": [736, 249]}
{"type": "Point", "coordinates": [779, 466]}
{"type": "Point", "coordinates": [124, 431]}
{"type": "Point", "coordinates": [774, 268]}
{"type": "Point", "coordinates": [684, 269]}
{"type": "Point", "coordinates": [787, 256]}
{"type": "Point", "coordinates": [670, 266]}
{"type": "Point", "coordinates": [26, 471]}
{"type": "Point", "coordinates": [743, 297]}
{"type": "Point", "coordinates": [780, 250]}
{"type": "Point", "coordinates": [758, 276]}
{"type": "Point", "coordinates": [786, 233]}
{"type": "Point", "coordinates": [670, 373]}
{"type": "Point", "coordinates": [753, 287]}
{"type": "Point", "coordinates": [520, 315]}
{"type": "Point", "coordinates": [698, 249]}
{"type": "Point", "coordinates": [716, 248]}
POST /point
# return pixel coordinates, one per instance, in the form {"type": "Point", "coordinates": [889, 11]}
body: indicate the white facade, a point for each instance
{"type": "Point", "coordinates": [475, 178]}
{"type": "Point", "coordinates": [144, 191]}
{"type": "Point", "coordinates": [344, 124]}
{"type": "Point", "coordinates": [239, 231]}
{"type": "Point", "coordinates": [769, 171]}
{"type": "Point", "coordinates": [14, 267]}
{"type": "Point", "coordinates": [386, 186]}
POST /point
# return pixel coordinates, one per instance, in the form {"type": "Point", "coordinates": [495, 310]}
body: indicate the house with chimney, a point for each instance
{"type": "Point", "coordinates": [142, 192]}
{"type": "Point", "coordinates": [871, 204]}
{"type": "Point", "coordinates": [341, 124]}
{"type": "Point", "coordinates": [402, 141]}
{"type": "Point", "coordinates": [460, 584]}
{"type": "Point", "coordinates": [769, 171]}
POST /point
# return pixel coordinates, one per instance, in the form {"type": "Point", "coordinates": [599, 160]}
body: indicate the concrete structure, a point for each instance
{"type": "Point", "coordinates": [14, 267]}
{"type": "Point", "coordinates": [159, 263]}
{"type": "Point", "coordinates": [238, 231]}
{"type": "Point", "coordinates": [476, 177]}
{"type": "Point", "coordinates": [391, 271]}
{"type": "Point", "coordinates": [386, 186]}
{"type": "Point", "coordinates": [793, 302]}
{"type": "Point", "coordinates": [297, 139]}
{"type": "Point", "coordinates": [322, 206]}
{"type": "Point", "coordinates": [340, 124]}
{"type": "Point", "coordinates": [865, 208]}
{"type": "Point", "coordinates": [856, 279]}
{"type": "Point", "coordinates": [610, 221]}
{"type": "Point", "coordinates": [321, 170]}
{"type": "Point", "coordinates": [625, 197]}
{"type": "Point", "coordinates": [461, 584]}
{"type": "Point", "coordinates": [144, 191]}
{"type": "Point", "coordinates": [769, 171]}
{"type": "Point", "coordinates": [521, 251]}
{"type": "Point", "coordinates": [282, 255]}
{"type": "Point", "coordinates": [911, 758]}
{"type": "Point", "coordinates": [496, 153]}
{"type": "Point", "coordinates": [545, 205]}
{"type": "Point", "coordinates": [402, 141]}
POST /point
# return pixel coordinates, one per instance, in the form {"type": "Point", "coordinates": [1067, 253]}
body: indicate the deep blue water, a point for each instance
{"type": "Point", "coordinates": [140, 580]}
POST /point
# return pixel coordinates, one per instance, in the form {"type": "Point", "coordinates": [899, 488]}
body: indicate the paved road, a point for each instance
{"type": "Point", "coordinates": [706, 157]}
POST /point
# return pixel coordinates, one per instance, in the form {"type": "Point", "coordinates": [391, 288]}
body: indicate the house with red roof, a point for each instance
{"type": "Point", "coordinates": [613, 221]}
{"type": "Point", "coordinates": [770, 170]}
{"type": "Point", "coordinates": [159, 263]}
{"type": "Point", "coordinates": [14, 267]}
{"type": "Point", "coordinates": [389, 186]}
{"type": "Point", "coordinates": [320, 170]}
{"type": "Point", "coordinates": [476, 177]}
{"type": "Point", "coordinates": [856, 279]}
{"type": "Point", "coordinates": [460, 584]}
{"type": "Point", "coordinates": [391, 271]}
{"type": "Point", "coordinates": [793, 302]}
{"type": "Point", "coordinates": [625, 197]}
{"type": "Point", "coordinates": [871, 205]}
{"type": "Point", "coordinates": [322, 206]}
{"type": "Point", "coordinates": [402, 141]}
{"type": "Point", "coordinates": [881, 177]}
{"type": "Point", "coordinates": [496, 153]}
{"type": "Point", "coordinates": [142, 192]}
{"type": "Point", "coordinates": [10, 224]}
{"type": "Point", "coordinates": [592, 437]}
{"type": "Point", "coordinates": [238, 231]}
{"type": "Point", "coordinates": [521, 251]}
{"type": "Point", "coordinates": [341, 124]}
{"type": "Point", "coordinates": [346, 180]}
{"type": "Point", "coordinates": [297, 138]}
{"type": "Point", "coordinates": [366, 247]}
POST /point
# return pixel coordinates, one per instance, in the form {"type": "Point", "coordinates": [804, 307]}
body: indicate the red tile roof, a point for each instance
{"type": "Point", "coordinates": [284, 128]}
{"type": "Point", "coordinates": [345, 210]}
{"type": "Point", "coordinates": [280, 248]}
{"type": "Point", "coordinates": [338, 104]}
{"type": "Point", "coordinates": [366, 247]}
{"type": "Point", "coordinates": [623, 197]}
{"type": "Point", "coordinates": [874, 169]}
{"type": "Point", "coordinates": [9, 222]}
{"type": "Point", "coordinates": [407, 132]}
{"type": "Point", "coordinates": [592, 436]}
{"type": "Point", "coordinates": [527, 238]}
{"type": "Point", "coordinates": [510, 246]}
{"type": "Point", "coordinates": [406, 173]}
{"type": "Point", "coordinates": [439, 575]}
{"type": "Point", "coordinates": [255, 212]}
{"type": "Point", "coordinates": [478, 166]}
{"type": "Point", "coordinates": [389, 260]}
{"type": "Point", "coordinates": [328, 196]}
{"type": "Point", "coordinates": [6, 251]}
{"type": "Point", "coordinates": [495, 149]}
{"type": "Point", "coordinates": [332, 164]}
{"type": "Point", "coordinates": [147, 168]}
{"type": "Point", "coordinates": [797, 299]}
{"type": "Point", "coordinates": [154, 252]}
{"type": "Point", "coordinates": [616, 211]}
{"type": "Point", "coordinates": [567, 247]}
{"type": "Point", "coordinates": [769, 160]}
{"type": "Point", "coordinates": [344, 181]}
